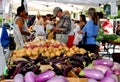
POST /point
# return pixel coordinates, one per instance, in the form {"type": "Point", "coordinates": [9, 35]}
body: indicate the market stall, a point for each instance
{"type": "Point", "coordinates": [46, 60]}
{"type": "Point", "coordinates": [45, 57]}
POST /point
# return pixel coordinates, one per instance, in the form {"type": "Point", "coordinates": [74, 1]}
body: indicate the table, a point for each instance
{"type": "Point", "coordinates": [109, 45]}
{"type": "Point", "coordinates": [114, 44]}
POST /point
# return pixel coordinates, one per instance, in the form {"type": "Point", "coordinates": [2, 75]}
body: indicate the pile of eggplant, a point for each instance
{"type": "Point", "coordinates": [23, 66]}
{"type": "Point", "coordinates": [102, 70]}
{"type": "Point", "coordinates": [46, 76]}
{"type": "Point", "coordinates": [72, 64]}
{"type": "Point", "coordinates": [63, 65]}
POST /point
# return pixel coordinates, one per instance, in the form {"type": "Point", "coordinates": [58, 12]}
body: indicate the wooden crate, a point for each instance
{"type": "Point", "coordinates": [8, 80]}
{"type": "Point", "coordinates": [77, 79]}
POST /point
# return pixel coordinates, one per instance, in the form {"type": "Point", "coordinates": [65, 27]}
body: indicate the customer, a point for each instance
{"type": "Point", "coordinates": [20, 30]}
{"type": "Point", "coordinates": [72, 22]}
{"type": "Point", "coordinates": [39, 28]}
{"type": "Point", "coordinates": [80, 26]}
{"type": "Point", "coordinates": [82, 20]}
{"type": "Point", "coordinates": [90, 31]}
{"type": "Point", "coordinates": [49, 25]}
{"type": "Point", "coordinates": [71, 33]}
{"type": "Point", "coordinates": [64, 25]}
{"type": "Point", "coordinates": [39, 19]}
{"type": "Point", "coordinates": [117, 29]}
{"type": "Point", "coordinates": [107, 26]}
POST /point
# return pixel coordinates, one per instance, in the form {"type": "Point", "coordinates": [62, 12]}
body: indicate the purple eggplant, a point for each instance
{"type": "Point", "coordinates": [115, 77]}
{"type": "Point", "coordinates": [57, 60]}
{"type": "Point", "coordinates": [30, 77]}
{"type": "Point", "coordinates": [102, 68]}
{"type": "Point", "coordinates": [58, 79]}
{"type": "Point", "coordinates": [16, 70]}
{"type": "Point", "coordinates": [116, 72]}
{"type": "Point", "coordinates": [57, 70]}
{"type": "Point", "coordinates": [36, 69]}
{"type": "Point", "coordinates": [37, 59]}
{"type": "Point", "coordinates": [43, 77]}
{"type": "Point", "coordinates": [116, 66]}
{"type": "Point", "coordinates": [18, 78]}
{"type": "Point", "coordinates": [109, 72]}
{"type": "Point", "coordinates": [108, 79]}
{"type": "Point", "coordinates": [92, 73]}
{"type": "Point", "coordinates": [105, 62]}
{"type": "Point", "coordinates": [66, 69]}
{"type": "Point", "coordinates": [92, 80]}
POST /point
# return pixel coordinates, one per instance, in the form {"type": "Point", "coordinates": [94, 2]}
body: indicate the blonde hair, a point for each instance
{"type": "Point", "coordinates": [38, 14]}
{"type": "Point", "coordinates": [67, 13]}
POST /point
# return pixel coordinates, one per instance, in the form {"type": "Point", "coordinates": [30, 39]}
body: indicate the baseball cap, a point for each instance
{"type": "Point", "coordinates": [55, 10]}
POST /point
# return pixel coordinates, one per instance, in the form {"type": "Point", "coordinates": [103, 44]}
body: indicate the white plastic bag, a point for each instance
{"type": "Point", "coordinates": [77, 39]}
{"type": "Point", "coordinates": [39, 29]}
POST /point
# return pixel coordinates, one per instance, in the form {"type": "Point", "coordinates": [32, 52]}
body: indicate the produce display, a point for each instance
{"type": "Point", "coordinates": [26, 63]}
{"type": "Point", "coordinates": [47, 76]}
{"type": "Point", "coordinates": [117, 40]}
{"type": "Point", "coordinates": [107, 37]}
{"type": "Point", "coordinates": [62, 65]}
{"type": "Point", "coordinates": [102, 70]}
{"type": "Point", "coordinates": [49, 48]}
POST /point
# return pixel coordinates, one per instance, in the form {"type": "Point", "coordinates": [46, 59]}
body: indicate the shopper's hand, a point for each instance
{"type": "Point", "coordinates": [55, 29]}
{"type": "Point", "coordinates": [80, 32]}
{"type": "Point", "coordinates": [58, 29]}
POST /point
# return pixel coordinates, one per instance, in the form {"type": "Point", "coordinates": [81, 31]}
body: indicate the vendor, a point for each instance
{"type": "Point", "coordinates": [20, 30]}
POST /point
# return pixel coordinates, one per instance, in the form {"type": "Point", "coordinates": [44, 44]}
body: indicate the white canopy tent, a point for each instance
{"type": "Point", "coordinates": [81, 2]}
{"type": "Point", "coordinates": [46, 6]}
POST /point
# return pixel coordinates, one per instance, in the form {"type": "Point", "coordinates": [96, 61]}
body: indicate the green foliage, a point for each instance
{"type": "Point", "coordinates": [0, 19]}
{"type": "Point", "coordinates": [100, 36]}
{"type": "Point", "coordinates": [106, 37]}
{"type": "Point", "coordinates": [110, 37]}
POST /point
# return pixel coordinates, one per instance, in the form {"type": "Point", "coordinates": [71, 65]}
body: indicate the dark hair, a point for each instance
{"type": "Point", "coordinates": [61, 10]}
{"type": "Point", "coordinates": [100, 15]}
{"type": "Point", "coordinates": [20, 9]}
{"type": "Point", "coordinates": [83, 17]}
{"type": "Point", "coordinates": [93, 14]}
{"type": "Point", "coordinates": [33, 18]}
{"type": "Point", "coordinates": [77, 21]}
{"type": "Point", "coordinates": [30, 22]}
{"type": "Point", "coordinates": [118, 22]}
{"type": "Point", "coordinates": [27, 13]}
{"type": "Point", "coordinates": [48, 15]}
